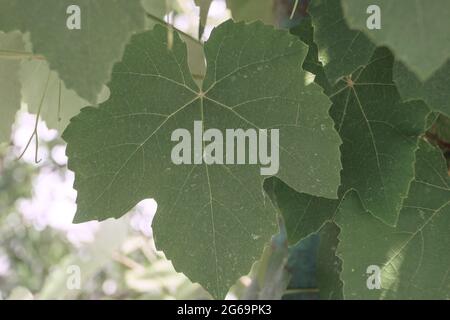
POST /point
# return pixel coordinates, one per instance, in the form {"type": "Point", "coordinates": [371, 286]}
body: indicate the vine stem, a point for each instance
{"type": "Point", "coordinates": [35, 130]}
{"type": "Point", "coordinates": [302, 290]}
{"type": "Point", "coordinates": [294, 9]}
{"type": "Point", "coordinates": [19, 55]}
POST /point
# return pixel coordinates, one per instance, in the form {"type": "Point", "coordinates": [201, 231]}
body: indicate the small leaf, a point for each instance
{"type": "Point", "coordinates": [380, 136]}
{"type": "Point", "coordinates": [341, 50]}
{"type": "Point", "coordinates": [83, 58]}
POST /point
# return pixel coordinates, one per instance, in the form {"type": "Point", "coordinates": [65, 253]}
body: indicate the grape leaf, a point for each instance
{"type": "Point", "coordinates": [9, 82]}
{"type": "Point", "coordinates": [83, 58]}
{"type": "Point", "coordinates": [380, 136]}
{"type": "Point", "coordinates": [251, 10]}
{"type": "Point", "coordinates": [121, 151]}
{"type": "Point", "coordinates": [341, 50]}
{"type": "Point", "coordinates": [404, 24]}
{"type": "Point", "coordinates": [413, 257]}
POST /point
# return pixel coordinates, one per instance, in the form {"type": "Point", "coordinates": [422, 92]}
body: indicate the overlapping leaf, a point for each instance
{"type": "Point", "coordinates": [413, 30]}
{"type": "Point", "coordinates": [413, 257]}
{"type": "Point", "coordinates": [83, 58]}
{"type": "Point", "coordinates": [59, 104]}
{"type": "Point", "coordinates": [380, 138]}
{"type": "Point", "coordinates": [341, 50]}
{"type": "Point", "coordinates": [121, 151]}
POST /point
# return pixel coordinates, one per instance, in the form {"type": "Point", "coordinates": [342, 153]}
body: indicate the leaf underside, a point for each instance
{"type": "Point", "coordinates": [120, 152]}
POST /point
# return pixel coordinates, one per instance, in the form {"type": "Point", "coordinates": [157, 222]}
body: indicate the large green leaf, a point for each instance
{"type": "Point", "coordinates": [9, 82]}
{"type": "Point", "coordinates": [83, 58]}
{"type": "Point", "coordinates": [121, 152]}
{"type": "Point", "coordinates": [414, 258]}
{"type": "Point", "coordinates": [413, 30]}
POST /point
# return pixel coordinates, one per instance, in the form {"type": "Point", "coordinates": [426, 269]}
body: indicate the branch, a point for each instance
{"type": "Point", "coordinates": [19, 55]}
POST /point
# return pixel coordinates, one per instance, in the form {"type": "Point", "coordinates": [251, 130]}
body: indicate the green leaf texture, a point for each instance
{"type": "Point", "coordinates": [380, 136]}
{"type": "Point", "coordinates": [413, 257]}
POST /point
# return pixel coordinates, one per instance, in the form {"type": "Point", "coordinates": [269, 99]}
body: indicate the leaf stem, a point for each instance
{"type": "Point", "coordinates": [35, 130]}
{"type": "Point", "coordinates": [294, 9]}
